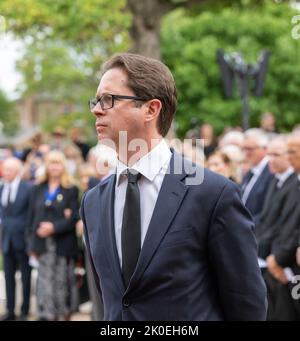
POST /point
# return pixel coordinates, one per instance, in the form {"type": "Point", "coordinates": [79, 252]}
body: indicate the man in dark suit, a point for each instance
{"type": "Point", "coordinates": [285, 179]}
{"type": "Point", "coordinates": [14, 200]}
{"type": "Point", "coordinates": [168, 240]}
{"type": "Point", "coordinates": [296, 284]}
{"type": "Point", "coordinates": [256, 182]}
{"type": "Point", "coordinates": [284, 246]}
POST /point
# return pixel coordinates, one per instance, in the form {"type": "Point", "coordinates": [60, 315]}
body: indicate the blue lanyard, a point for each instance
{"type": "Point", "coordinates": [50, 196]}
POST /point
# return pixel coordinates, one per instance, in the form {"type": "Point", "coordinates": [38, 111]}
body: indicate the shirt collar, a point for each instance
{"type": "Point", "coordinates": [257, 170]}
{"type": "Point", "coordinates": [14, 183]}
{"type": "Point", "coordinates": [150, 164]}
{"type": "Point", "coordinates": [282, 177]}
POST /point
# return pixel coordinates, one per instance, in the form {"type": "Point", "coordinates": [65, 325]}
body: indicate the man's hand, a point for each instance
{"type": "Point", "coordinates": [45, 229]}
{"type": "Point", "coordinates": [79, 228]}
{"type": "Point", "coordinates": [276, 270]}
{"type": "Point", "coordinates": [32, 254]}
{"type": "Point", "coordinates": [298, 256]}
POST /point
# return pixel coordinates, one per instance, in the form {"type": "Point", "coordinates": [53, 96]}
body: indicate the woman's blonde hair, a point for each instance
{"type": "Point", "coordinates": [67, 180]}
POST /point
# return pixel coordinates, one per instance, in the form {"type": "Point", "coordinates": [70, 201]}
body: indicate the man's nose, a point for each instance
{"type": "Point", "coordinates": [97, 110]}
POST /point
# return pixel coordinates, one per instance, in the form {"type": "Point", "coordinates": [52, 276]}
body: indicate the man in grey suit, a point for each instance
{"type": "Point", "coordinates": [14, 200]}
{"type": "Point", "coordinates": [167, 240]}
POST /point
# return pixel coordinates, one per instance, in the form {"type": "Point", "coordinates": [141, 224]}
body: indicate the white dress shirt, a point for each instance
{"type": "Point", "coordinates": [153, 167]}
{"type": "Point", "coordinates": [256, 170]}
{"type": "Point", "coordinates": [282, 177]}
{"type": "Point", "coordinates": [13, 187]}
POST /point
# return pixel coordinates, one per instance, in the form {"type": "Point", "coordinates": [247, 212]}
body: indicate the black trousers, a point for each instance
{"type": "Point", "coordinates": [14, 260]}
{"type": "Point", "coordinates": [281, 305]}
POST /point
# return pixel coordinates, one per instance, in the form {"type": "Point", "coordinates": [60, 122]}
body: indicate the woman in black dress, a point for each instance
{"type": "Point", "coordinates": [53, 214]}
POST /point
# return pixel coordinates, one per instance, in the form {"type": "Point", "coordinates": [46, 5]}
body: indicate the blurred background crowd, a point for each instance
{"type": "Point", "coordinates": [40, 192]}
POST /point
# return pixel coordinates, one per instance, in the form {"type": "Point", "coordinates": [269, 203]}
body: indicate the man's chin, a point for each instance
{"type": "Point", "coordinates": [106, 141]}
{"type": "Point", "coordinates": [101, 137]}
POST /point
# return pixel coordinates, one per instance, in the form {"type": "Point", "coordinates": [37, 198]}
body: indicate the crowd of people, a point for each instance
{"type": "Point", "coordinates": [41, 227]}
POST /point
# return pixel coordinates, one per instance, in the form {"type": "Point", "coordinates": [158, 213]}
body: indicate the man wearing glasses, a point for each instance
{"type": "Point", "coordinates": [161, 246]}
{"type": "Point", "coordinates": [257, 180]}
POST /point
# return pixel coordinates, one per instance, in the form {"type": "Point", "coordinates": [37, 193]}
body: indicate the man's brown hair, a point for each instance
{"type": "Point", "coordinates": [148, 78]}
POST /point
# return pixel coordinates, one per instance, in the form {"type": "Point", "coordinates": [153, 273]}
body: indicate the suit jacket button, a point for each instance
{"type": "Point", "coordinates": [126, 303]}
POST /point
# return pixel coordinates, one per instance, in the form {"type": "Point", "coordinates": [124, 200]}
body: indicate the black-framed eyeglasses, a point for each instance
{"type": "Point", "coordinates": [107, 101]}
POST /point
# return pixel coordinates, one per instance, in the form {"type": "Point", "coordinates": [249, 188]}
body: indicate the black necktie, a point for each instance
{"type": "Point", "coordinates": [247, 179]}
{"type": "Point", "coordinates": [277, 184]}
{"type": "Point", "coordinates": [131, 227]}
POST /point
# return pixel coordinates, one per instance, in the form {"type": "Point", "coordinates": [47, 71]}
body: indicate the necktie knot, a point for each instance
{"type": "Point", "coordinates": [278, 183]}
{"type": "Point", "coordinates": [250, 175]}
{"type": "Point", "coordinates": [133, 176]}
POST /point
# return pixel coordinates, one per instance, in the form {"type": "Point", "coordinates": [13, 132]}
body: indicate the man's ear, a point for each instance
{"type": "Point", "coordinates": [153, 109]}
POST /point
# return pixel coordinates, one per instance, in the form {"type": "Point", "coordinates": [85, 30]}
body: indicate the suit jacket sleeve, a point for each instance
{"type": "Point", "coordinates": [87, 245]}
{"type": "Point", "coordinates": [233, 253]}
{"type": "Point", "coordinates": [29, 233]}
{"type": "Point", "coordinates": [284, 249]}
{"type": "Point", "coordinates": [68, 224]}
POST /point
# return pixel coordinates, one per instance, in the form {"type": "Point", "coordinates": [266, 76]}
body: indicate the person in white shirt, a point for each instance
{"type": "Point", "coordinates": [167, 239]}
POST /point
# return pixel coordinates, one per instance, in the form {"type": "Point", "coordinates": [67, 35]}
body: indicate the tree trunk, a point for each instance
{"type": "Point", "coordinates": [145, 29]}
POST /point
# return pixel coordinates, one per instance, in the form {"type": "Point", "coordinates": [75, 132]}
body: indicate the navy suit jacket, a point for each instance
{"type": "Point", "coordinates": [198, 260]}
{"type": "Point", "coordinates": [256, 198]}
{"type": "Point", "coordinates": [13, 219]}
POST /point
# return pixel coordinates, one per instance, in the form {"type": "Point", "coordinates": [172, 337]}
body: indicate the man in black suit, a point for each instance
{"type": "Point", "coordinates": [168, 240]}
{"type": "Point", "coordinates": [284, 247]}
{"type": "Point", "coordinates": [14, 200]}
{"type": "Point", "coordinates": [278, 192]}
{"type": "Point", "coordinates": [297, 282]}
{"type": "Point", "coordinates": [256, 182]}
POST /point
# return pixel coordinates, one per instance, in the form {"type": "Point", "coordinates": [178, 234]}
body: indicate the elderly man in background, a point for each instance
{"type": "Point", "coordinates": [282, 262]}
{"type": "Point", "coordinates": [256, 181]}
{"type": "Point", "coordinates": [14, 199]}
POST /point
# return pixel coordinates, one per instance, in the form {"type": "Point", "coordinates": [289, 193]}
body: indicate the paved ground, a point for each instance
{"type": "Point", "coordinates": [82, 315]}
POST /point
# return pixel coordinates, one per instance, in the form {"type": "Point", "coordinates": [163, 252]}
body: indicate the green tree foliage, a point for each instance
{"type": "Point", "coordinates": [189, 44]}
{"type": "Point", "coordinates": [8, 117]}
{"type": "Point", "coordinates": [76, 21]}
{"type": "Point", "coordinates": [67, 40]}
{"type": "Point", "coordinates": [65, 43]}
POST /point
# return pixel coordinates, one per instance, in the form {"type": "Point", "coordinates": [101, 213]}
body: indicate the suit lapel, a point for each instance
{"type": "Point", "coordinates": [291, 202]}
{"type": "Point", "coordinates": [19, 193]}
{"type": "Point", "coordinates": [167, 205]}
{"type": "Point", "coordinates": [107, 195]}
{"type": "Point", "coordinates": [269, 195]}
{"type": "Point", "coordinates": [288, 185]}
